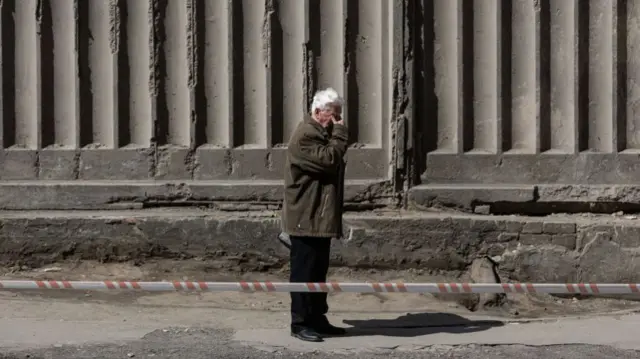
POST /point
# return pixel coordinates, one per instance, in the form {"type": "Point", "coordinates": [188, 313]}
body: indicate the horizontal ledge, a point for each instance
{"type": "Point", "coordinates": [466, 195]}
{"type": "Point", "coordinates": [469, 195]}
{"type": "Point", "coordinates": [521, 152]}
{"type": "Point", "coordinates": [248, 148]}
{"type": "Point", "coordinates": [634, 153]}
{"type": "Point", "coordinates": [584, 168]}
{"type": "Point", "coordinates": [170, 163]}
{"type": "Point", "coordinates": [144, 183]}
{"type": "Point", "coordinates": [95, 195]}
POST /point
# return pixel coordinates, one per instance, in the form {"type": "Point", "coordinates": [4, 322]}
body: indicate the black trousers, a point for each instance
{"type": "Point", "coordinates": [309, 263]}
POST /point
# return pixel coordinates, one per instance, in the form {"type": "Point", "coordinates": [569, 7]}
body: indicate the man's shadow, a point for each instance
{"type": "Point", "coordinates": [415, 325]}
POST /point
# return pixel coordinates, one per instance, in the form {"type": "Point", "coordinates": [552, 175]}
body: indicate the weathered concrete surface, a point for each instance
{"type": "Point", "coordinates": [629, 193]}
{"type": "Point", "coordinates": [545, 249]}
{"type": "Point", "coordinates": [238, 195]}
{"type": "Point", "coordinates": [484, 270]}
{"type": "Point", "coordinates": [100, 194]}
{"type": "Point", "coordinates": [158, 90]}
{"type": "Point", "coordinates": [468, 195]}
{"type": "Point", "coordinates": [587, 167]}
{"type": "Point", "coordinates": [524, 197]}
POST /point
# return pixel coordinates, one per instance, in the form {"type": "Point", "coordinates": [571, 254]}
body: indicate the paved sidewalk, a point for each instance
{"type": "Point", "coordinates": [620, 332]}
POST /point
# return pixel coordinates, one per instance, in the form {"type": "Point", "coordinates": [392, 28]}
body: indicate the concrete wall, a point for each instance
{"type": "Point", "coordinates": [528, 91]}
{"type": "Point", "coordinates": [518, 92]}
{"type": "Point", "coordinates": [186, 89]}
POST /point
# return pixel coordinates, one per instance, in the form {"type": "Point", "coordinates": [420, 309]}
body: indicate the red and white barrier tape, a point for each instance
{"type": "Point", "coordinates": [569, 288]}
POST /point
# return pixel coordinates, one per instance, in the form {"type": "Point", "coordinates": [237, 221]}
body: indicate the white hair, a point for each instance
{"type": "Point", "coordinates": [325, 98]}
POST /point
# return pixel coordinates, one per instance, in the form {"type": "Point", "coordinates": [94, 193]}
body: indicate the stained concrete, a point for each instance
{"type": "Point", "coordinates": [526, 198]}
{"type": "Point", "coordinates": [468, 196]}
{"type": "Point", "coordinates": [542, 249]}
{"type": "Point", "coordinates": [159, 90]}
{"type": "Point", "coordinates": [189, 90]}
{"type": "Point", "coordinates": [553, 167]}
{"type": "Point", "coordinates": [267, 194]}
{"type": "Point", "coordinates": [234, 195]}
{"type": "Point", "coordinates": [168, 162]}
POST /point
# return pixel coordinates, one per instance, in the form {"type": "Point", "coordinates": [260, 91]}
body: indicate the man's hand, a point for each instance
{"type": "Point", "coordinates": [337, 120]}
{"type": "Point", "coordinates": [311, 151]}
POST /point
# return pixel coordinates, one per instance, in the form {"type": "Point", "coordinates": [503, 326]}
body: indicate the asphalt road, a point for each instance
{"type": "Point", "coordinates": [209, 343]}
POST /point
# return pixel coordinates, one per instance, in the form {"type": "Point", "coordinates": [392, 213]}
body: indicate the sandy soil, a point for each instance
{"type": "Point", "coordinates": [519, 306]}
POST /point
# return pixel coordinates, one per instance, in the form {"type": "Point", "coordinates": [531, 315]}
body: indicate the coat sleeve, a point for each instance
{"type": "Point", "coordinates": [311, 153]}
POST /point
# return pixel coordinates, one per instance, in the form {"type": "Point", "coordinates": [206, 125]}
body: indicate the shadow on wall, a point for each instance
{"type": "Point", "coordinates": [425, 101]}
{"type": "Point", "coordinates": [414, 325]}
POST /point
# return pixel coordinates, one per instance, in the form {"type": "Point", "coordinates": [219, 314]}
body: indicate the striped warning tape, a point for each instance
{"type": "Point", "coordinates": [252, 287]}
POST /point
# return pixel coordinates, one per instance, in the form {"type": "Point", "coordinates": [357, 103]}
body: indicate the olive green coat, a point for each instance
{"type": "Point", "coordinates": [314, 180]}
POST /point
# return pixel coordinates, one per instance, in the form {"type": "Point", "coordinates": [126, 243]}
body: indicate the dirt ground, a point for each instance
{"type": "Point", "coordinates": [519, 306]}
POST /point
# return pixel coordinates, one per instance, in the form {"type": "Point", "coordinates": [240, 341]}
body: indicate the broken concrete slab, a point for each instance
{"type": "Point", "coordinates": [484, 270]}
{"type": "Point", "coordinates": [442, 242]}
{"type": "Point", "coordinates": [481, 270]}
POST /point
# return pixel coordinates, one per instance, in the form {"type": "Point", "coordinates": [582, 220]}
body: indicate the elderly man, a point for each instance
{"type": "Point", "coordinates": [312, 211]}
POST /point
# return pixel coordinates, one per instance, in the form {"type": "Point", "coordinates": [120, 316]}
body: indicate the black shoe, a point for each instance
{"type": "Point", "coordinates": [328, 329]}
{"type": "Point", "coordinates": [306, 334]}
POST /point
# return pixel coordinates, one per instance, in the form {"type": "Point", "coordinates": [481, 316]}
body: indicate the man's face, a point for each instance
{"type": "Point", "coordinates": [332, 113]}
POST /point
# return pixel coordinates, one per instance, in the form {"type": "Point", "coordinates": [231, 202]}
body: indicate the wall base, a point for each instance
{"type": "Point", "coordinates": [81, 195]}
{"type": "Point", "coordinates": [539, 199]}
{"type": "Point", "coordinates": [551, 249]}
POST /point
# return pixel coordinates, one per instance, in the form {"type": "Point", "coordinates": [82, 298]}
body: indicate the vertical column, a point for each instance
{"type": "Point", "coordinates": [448, 70]}
{"type": "Point", "coordinates": [633, 75]}
{"type": "Point", "coordinates": [103, 65]}
{"type": "Point", "coordinates": [178, 69]}
{"type": "Point", "coordinates": [65, 73]}
{"type": "Point", "coordinates": [601, 75]}
{"type": "Point", "coordinates": [4, 50]}
{"type": "Point", "coordinates": [27, 75]}
{"type": "Point", "coordinates": [218, 72]}
{"type": "Point", "coordinates": [487, 80]}
{"type": "Point", "coordinates": [139, 32]}
{"type": "Point", "coordinates": [369, 72]}
{"type": "Point", "coordinates": [292, 19]}
{"type": "Point", "coordinates": [525, 74]}
{"type": "Point", "coordinates": [391, 13]}
{"type": "Point", "coordinates": [255, 60]}
{"type": "Point", "coordinates": [563, 74]}
{"type": "Point", "coordinates": [330, 64]}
